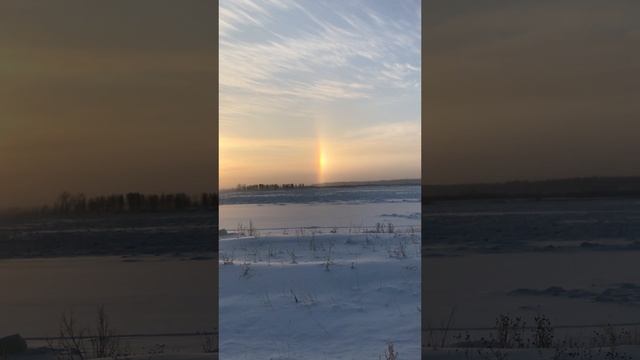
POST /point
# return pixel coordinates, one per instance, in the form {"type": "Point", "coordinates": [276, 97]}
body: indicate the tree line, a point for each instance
{"type": "Point", "coordinates": [67, 203]}
{"type": "Point", "coordinates": [244, 187]}
{"type": "Point", "coordinates": [585, 187]}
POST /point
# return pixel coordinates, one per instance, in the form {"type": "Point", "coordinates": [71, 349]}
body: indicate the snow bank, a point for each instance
{"type": "Point", "coordinates": [320, 296]}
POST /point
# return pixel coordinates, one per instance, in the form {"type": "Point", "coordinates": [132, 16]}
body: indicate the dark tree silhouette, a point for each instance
{"type": "Point", "coordinates": [133, 202]}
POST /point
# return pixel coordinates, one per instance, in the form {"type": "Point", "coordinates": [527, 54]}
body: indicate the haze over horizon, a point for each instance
{"type": "Point", "coordinates": [316, 92]}
{"type": "Point", "coordinates": [530, 90]}
{"type": "Point", "coordinates": [106, 97]}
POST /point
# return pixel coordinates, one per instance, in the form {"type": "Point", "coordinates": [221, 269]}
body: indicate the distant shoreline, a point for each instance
{"type": "Point", "coordinates": [341, 184]}
{"type": "Point", "coordinates": [571, 188]}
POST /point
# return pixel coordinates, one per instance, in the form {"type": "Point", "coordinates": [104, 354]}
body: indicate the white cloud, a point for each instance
{"type": "Point", "coordinates": [336, 57]}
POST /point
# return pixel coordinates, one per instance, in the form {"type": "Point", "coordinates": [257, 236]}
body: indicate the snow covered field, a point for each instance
{"type": "Point", "coordinates": [141, 295]}
{"type": "Point", "coordinates": [319, 215]}
{"type": "Point", "coordinates": [575, 262]}
{"type": "Point", "coordinates": [320, 296]}
{"type": "Point", "coordinates": [343, 284]}
{"type": "Point", "coordinates": [151, 272]}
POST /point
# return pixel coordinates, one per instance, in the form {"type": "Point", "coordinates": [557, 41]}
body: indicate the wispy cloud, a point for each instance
{"type": "Point", "coordinates": [398, 132]}
{"type": "Point", "coordinates": [238, 13]}
{"type": "Point", "coordinates": [326, 54]}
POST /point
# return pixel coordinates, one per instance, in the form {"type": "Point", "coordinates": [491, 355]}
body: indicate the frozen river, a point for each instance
{"type": "Point", "coordinates": [363, 206]}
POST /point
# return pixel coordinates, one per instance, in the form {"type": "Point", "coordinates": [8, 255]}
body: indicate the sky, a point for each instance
{"type": "Point", "coordinates": [319, 91]}
{"type": "Point", "coordinates": [106, 97]}
{"type": "Point", "coordinates": [530, 89]}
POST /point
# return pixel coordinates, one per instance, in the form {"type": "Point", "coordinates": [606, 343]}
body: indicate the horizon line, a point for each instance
{"type": "Point", "coordinates": [323, 183]}
{"type": "Point", "coordinates": [521, 180]}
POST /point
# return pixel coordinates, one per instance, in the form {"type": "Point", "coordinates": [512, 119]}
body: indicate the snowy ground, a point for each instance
{"type": "Point", "coordinates": [573, 261]}
{"type": "Point", "coordinates": [318, 294]}
{"type": "Point", "coordinates": [323, 215]}
{"type": "Point", "coordinates": [144, 295]}
{"type": "Point", "coordinates": [153, 273]}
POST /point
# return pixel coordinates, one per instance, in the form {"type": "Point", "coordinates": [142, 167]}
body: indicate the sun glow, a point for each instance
{"type": "Point", "coordinates": [323, 161]}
